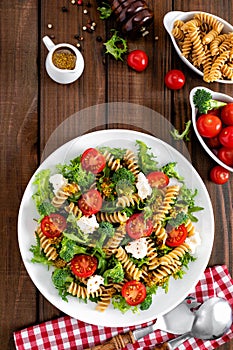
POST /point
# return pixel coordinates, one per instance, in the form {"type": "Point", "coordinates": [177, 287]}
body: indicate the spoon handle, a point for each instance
{"type": "Point", "coordinates": [174, 343]}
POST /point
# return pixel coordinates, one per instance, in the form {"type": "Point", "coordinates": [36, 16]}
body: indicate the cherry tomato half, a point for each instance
{"type": "Point", "coordinates": [134, 292]}
{"type": "Point", "coordinates": [137, 60]}
{"type": "Point", "coordinates": [227, 114]}
{"type": "Point", "coordinates": [157, 179]}
{"type": "Point", "coordinates": [84, 265]}
{"type": "Point", "coordinates": [226, 136]}
{"type": "Point", "coordinates": [90, 202]}
{"type": "Point", "coordinates": [137, 226]}
{"type": "Point", "coordinates": [92, 160]}
{"type": "Point", "coordinates": [208, 125]}
{"type": "Point", "coordinates": [176, 236]}
{"type": "Point", "coordinates": [219, 175]}
{"type": "Point", "coordinates": [52, 225]}
{"type": "Point", "coordinates": [174, 79]}
{"type": "Point", "coordinates": [225, 154]}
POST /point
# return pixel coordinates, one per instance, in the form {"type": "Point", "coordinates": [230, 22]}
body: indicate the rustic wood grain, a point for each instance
{"type": "Point", "coordinates": [38, 115]}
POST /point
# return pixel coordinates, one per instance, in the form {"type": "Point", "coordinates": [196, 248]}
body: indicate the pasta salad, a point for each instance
{"type": "Point", "coordinates": [115, 226]}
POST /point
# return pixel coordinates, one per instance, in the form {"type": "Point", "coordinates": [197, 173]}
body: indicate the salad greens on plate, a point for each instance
{"type": "Point", "coordinates": [114, 226]}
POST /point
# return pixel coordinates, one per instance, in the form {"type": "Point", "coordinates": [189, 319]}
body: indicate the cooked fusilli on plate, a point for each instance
{"type": "Point", "coordinates": [115, 226]}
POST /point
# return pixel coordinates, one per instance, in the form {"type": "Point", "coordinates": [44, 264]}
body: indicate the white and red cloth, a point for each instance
{"type": "Point", "coordinates": [69, 333]}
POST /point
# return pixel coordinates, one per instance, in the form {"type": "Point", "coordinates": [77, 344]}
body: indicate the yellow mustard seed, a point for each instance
{"type": "Point", "coordinates": [64, 59]}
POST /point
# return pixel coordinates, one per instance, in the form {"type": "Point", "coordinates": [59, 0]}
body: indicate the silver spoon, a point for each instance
{"type": "Point", "coordinates": [212, 320]}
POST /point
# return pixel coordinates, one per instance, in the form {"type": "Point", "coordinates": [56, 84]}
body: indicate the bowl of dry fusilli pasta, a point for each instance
{"type": "Point", "coordinates": [104, 225]}
{"type": "Point", "coordinates": [204, 43]}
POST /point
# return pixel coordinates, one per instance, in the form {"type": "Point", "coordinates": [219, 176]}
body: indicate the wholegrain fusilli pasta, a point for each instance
{"type": "Point", "coordinates": [202, 41]}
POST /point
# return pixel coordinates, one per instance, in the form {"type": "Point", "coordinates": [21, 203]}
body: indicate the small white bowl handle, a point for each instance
{"type": "Point", "coordinates": [48, 42]}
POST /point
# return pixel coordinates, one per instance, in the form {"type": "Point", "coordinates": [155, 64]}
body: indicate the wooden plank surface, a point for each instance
{"type": "Point", "coordinates": [38, 115]}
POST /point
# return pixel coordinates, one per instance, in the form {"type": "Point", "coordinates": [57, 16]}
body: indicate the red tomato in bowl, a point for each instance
{"type": "Point", "coordinates": [90, 202]}
{"type": "Point", "coordinates": [134, 292]}
{"type": "Point", "coordinates": [216, 112]}
{"type": "Point", "coordinates": [219, 175]}
{"type": "Point", "coordinates": [226, 136]}
{"type": "Point", "coordinates": [92, 160]}
{"type": "Point", "coordinates": [213, 142]}
{"type": "Point", "coordinates": [174, 79]}
{"type": "Point", "coordinates": [137, 226]}
{"type": "Point", "coordinates": [225, 154]}
{"type": "Point", "coordinates": [209, 125]}
{"type": "Point", "coordinates": [227, 114]}
{"type": "Point", "coordinates": [137, 60]}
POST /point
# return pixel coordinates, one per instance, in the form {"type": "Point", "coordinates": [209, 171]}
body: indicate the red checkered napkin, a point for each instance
{"type": "Point", "coordinates": [72, 334]}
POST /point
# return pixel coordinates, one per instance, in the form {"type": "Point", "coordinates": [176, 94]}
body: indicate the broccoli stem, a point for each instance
{"type": "Point", "coordinates": [214, 104]}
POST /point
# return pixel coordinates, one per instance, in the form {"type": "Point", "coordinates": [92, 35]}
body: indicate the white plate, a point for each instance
{"type": "Point", "coordinates": [178, 289]}
{"type": "Point", "coordinates": [216, 96]}
{"type": "Point", "coordinates": [172, 16]}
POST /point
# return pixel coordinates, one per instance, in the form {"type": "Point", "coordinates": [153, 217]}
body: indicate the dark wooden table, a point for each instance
{"type": "Point", "coordinates": [33, 106]}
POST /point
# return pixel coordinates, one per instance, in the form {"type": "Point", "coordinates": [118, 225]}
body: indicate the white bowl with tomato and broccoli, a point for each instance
{"type": "Point", "coordinates": [212, 118]}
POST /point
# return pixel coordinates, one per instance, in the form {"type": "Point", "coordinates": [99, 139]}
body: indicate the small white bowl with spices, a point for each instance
{"type": "Point", "coordinates": [64, 62]}
{"type": "Point", "coordinates": [211, 55]}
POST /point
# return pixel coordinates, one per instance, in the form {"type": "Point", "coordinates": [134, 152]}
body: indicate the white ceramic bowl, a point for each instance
{"type": "Point", "coordinates": [168, 22]}
{"type": "Point", "coordinates": [216, 96]}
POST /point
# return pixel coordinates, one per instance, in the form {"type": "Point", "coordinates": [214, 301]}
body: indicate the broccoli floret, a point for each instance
{"type": "Point", "coordinates": [169, 170]}
{"type": "Point", "coordinates": [74, 173]}
{"type": "Point", "coordinates": [116, 273]}
{"type": "Point", "coordinates": [180, 219]}
{"type": "Point", "coordinates": [69, 249]}
{"type": "Point", "coordinates": [123, 174]}
{"type": "Point", "coordinates": [106, 229]}
{"type": "Point", "coordinates": [61, 278]}
{"type": "Point", "coordinates": [146, 302]}
{"type": "Point", "coordinates": [124, 187]}
{"type": "Point", "coordinates": [203, 101]}
{"type": "Point", "coordinates": [45, 208]}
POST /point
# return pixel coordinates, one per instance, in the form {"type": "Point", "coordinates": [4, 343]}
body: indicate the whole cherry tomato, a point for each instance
{"type": "Point", "coordinates": [219, 175]}
{"type": "Point", "coordinates": [213, 142]}
{"type": "Point", "coordinates": [174, 79]}
{"type": "Point", "coordinates": [209, 125]}
{"type": "Point", "coordinates": [137, 60]}
{"type": "Point", "coordinates": [225, 154]}
{"type": "Point", "coordinates": [227, 114]}
{"type": "Point", "coordinates": [226, 136]}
